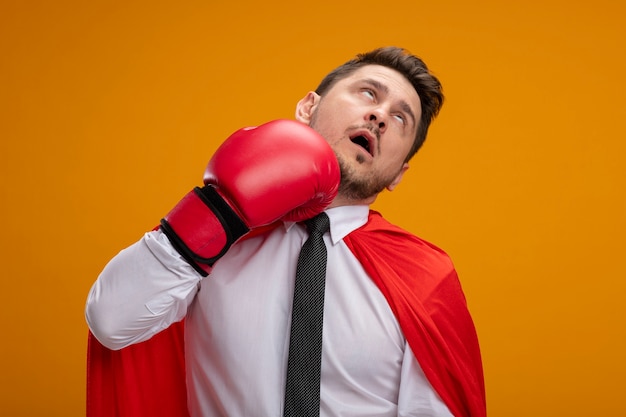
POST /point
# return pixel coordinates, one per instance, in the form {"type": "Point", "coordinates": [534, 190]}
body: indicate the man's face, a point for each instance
{"type": "Point", "coordinates": [370, 120]}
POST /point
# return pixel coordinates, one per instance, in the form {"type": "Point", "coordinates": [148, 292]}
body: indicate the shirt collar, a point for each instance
{"type": "Point", "coordinates": [343, 220]}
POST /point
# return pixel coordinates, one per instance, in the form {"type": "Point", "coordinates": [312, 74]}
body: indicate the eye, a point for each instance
{"type": "Point", "coordinates": [368, 93]}
{"type": "Point", "coordinates": [401, 118]}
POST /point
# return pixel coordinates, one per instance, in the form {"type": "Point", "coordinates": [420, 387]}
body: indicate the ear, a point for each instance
{"type": "Point", "coordinates": [306, 107]}
{"type": "Point", "coordinates": [393, 184]}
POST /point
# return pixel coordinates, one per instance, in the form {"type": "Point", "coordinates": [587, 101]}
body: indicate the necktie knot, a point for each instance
{"type": "Point", "coordinates": [318, 225]}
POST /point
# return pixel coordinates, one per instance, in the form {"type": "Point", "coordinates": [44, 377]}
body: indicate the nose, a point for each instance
{"type": "Point", "coordinates": [377, 117]}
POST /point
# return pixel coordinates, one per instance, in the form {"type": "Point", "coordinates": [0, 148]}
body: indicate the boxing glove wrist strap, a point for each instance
{"type": "Point", "coordinates": [202, 227]}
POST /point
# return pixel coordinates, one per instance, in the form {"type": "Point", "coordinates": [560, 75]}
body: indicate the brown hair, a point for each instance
{"type": "Point", "coordinates": [426, 85]}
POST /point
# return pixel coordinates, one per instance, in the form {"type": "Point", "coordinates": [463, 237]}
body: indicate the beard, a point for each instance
{"type": "Point", "coordinates": [356, 187]}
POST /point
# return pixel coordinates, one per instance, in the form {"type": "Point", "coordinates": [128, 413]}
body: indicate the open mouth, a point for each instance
{"type": "Point", "coordinates": [363, 142]}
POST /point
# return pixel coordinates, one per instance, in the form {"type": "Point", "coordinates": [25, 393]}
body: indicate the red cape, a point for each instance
{"type": "Point", "coordinates": [417, 279]}
{"type": "Point", "coordinates": [421, 286]}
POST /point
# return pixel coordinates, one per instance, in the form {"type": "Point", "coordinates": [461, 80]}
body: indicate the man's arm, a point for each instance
{"type": "Point", "coordinates": [280, 170]}
{"type": "Point", "coordinates": [141, 291]}
{"type": "Point", "coordinates": [416, 396]}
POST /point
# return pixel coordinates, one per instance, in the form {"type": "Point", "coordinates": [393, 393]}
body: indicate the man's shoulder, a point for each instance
{"type": "Point", "coordinates": [378, 226]}
{"type": "Point", "coordinates": [389, 240]}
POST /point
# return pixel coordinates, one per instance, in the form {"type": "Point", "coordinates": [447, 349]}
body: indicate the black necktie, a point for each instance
{"type": "Point", "coordinates": [302, 393]}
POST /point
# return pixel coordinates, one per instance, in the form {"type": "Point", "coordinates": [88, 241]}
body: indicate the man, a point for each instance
{"type": "Point", "coordinates": [397, 337]}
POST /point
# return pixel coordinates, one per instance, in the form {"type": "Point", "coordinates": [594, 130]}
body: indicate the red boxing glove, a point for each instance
{"type": "Point", "coordinates": [279, 170]}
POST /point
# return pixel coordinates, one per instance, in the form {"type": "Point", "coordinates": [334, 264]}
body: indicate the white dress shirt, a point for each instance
{"type": "Point", "coordinates": [238, 321]}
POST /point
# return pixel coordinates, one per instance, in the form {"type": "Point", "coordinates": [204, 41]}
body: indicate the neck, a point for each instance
{"type": "Point", "coordinates": [342, 200]}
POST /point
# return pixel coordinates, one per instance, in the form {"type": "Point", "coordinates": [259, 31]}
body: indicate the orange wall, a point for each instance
{"type": "Point", "coordinates": [110, 110]}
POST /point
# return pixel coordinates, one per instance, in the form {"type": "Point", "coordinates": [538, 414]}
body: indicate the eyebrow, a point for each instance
{"type": "Point", "coordinates": [403, 104]}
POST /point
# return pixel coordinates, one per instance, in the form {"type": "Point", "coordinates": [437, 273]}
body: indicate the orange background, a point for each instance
{"type": "Point", "coordinates": [110, 110]}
